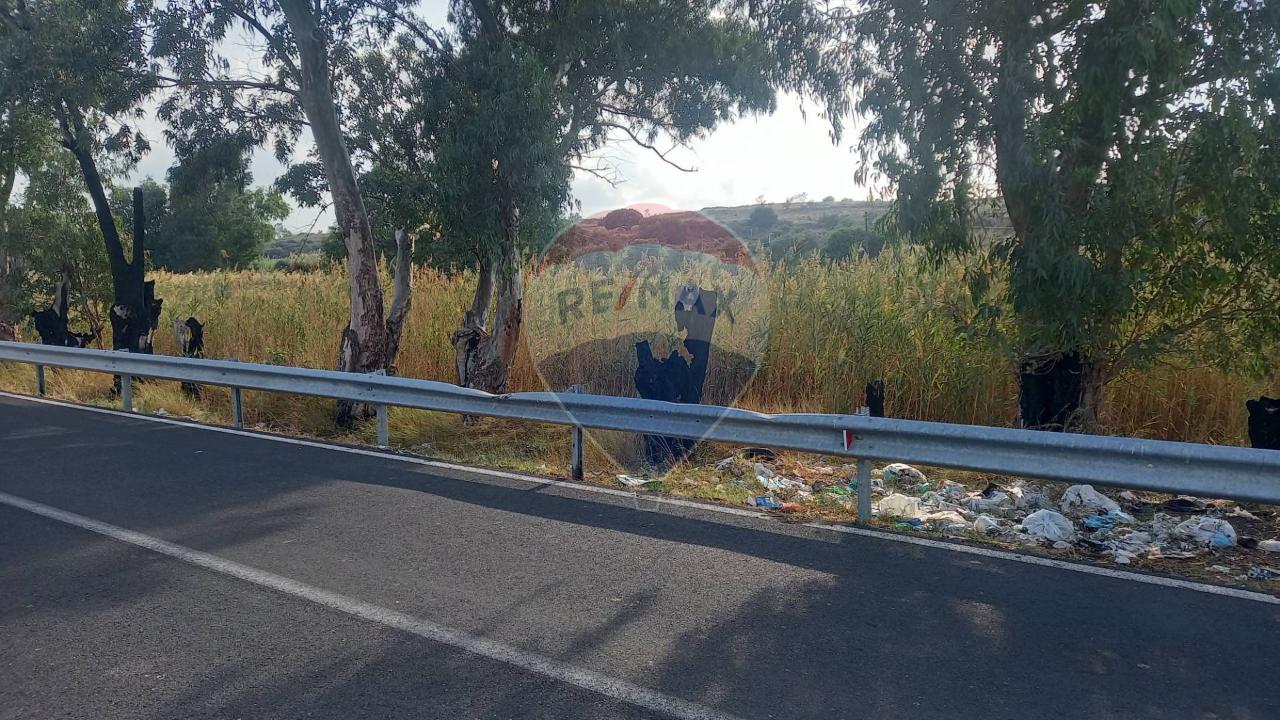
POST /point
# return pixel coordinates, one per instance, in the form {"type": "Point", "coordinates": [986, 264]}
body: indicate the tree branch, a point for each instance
{"type": "Point", "coordinates": [649, 146]}
{"type": "Point", "coordinates": [224, 83]}
{"type": "Point", "coordinates": [270, 37]}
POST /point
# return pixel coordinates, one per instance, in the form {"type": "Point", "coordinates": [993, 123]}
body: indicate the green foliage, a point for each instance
{"type": "Point", "coordinates": [208, 217]}
{"type": "Point", "coordinates": [762, 219]}
{"type": "Point", "coordinates": [1118, 137]}
{"type": "Point", "coordinates": [592, 73]}
{"type": "Point", "coordinates": [845, 242]}
{"type": "Point", "coordinates": [49, 234]}
{"type": "Point", "coordinates": [79, 62]}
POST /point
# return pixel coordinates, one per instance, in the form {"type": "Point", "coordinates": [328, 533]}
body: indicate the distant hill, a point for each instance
{"type": "Point", "coordinates": [826, 215]}
{"type": "Point", "coordinates": [816, 215]}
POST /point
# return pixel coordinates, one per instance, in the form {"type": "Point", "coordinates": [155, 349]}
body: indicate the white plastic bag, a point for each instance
{"type": "Point", "coordinates": [1207, 531]}
{"type": "Point", "coordinates": [897, 505]}
{"type": "Point", "coordinates": [1080, 500]}
{"type": "Point", "coordinates": [986, 524]}
{"type": "Point", "coordinates": [902, 475]}
{"type": "Point", "coordinates": [1048, 525]}
{"type": "Point", "coordinates": [994, 504]}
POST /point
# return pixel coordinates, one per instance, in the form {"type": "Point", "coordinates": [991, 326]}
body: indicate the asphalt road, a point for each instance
{"type": "Point", "coordinates": [735, 616]}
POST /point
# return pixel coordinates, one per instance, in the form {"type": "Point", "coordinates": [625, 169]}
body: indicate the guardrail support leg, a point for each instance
{"type": "Point", "coordinates": [864, 491]}
{"type": "Point", "coordinates": [237, 408]}
{"type": "Point", "coordinates": [384, 427]}
{"type": "Point", "coordinates": [575, 446]}
{"type": "Point", "coordinates": [126, 392]}
{"type": "Point", "coordinates": [40, 380]}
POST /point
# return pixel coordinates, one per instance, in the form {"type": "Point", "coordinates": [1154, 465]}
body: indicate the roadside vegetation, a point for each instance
{"type": "Point", "coordinates": [889, 318]}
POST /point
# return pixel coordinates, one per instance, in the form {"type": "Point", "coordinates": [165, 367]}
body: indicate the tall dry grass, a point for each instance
{"type": "Point", "coordinates": [830, 329]}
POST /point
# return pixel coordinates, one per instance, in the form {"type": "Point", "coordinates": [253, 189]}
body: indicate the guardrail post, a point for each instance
{"type": "Point", "coordinates": [126, 392]}
{"type": "Point", "coordinates": [40, 380]}
{"type": "Point", "coordinates": [864, 491]}
{"type": "Point", "coordinates": [237, 408]}
{"type": "Point", "coordinates": [384, 422]}
{"type": "Point", "coordinates": [384, 427]}
{"type": "Point", "coordinates": [575, 445]}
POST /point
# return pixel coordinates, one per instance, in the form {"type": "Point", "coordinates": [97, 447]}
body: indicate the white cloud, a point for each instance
{"type": "Point", "coordinates": [774, 156]}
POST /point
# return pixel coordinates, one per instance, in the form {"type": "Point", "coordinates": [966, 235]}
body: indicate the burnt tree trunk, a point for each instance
{"type": "Point", "coordinates": [366, 343]}
{"type": "Point", "coordinates": [875, 398]}
{"type": "Point", "coordinates": [1264, 423]}
{"type": "Point", "coordinates": [135, 311]}
{"type": "Point", "coordinates": [484, 359]}
{"type": "Point", "coordinates": [51, 323]}
{"type": "Point", "coordinates": [1060, 392]}
{"type": "Point", "coordinates": [674, 379]}
{"type": "Point", "coordinates": [190, 337]}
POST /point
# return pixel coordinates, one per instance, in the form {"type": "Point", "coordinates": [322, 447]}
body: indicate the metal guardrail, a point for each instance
{"type": "Point", "coordinates": [1176, 467]}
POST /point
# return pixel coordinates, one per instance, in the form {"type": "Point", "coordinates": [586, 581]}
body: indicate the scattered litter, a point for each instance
{"type": "Point", "coordinates": [726, 463]}
{"type": "Point", "coordinates": [1103, 522]}
{"type": "Point", "coordinates": [1220, 568]}
{"type": "Point", "coordinates": [902, 475]}
{"type": "Point", "coordinates": [835, 490]}
{"type": "Point", "coordinates": [1207, 531]}
{"type": "Point", "coordinates": [763, 472]}
{"type": "Point", "coordinates": [1048, 525]}
{"type": "Point", "coordinates": [632, 481]}
{"type": "Point", "coordinates": [898, 505]}
{"type": "Point", "coordinates": [779, 484]}
{"type": "Point", "coordinates": [766, 501]}
{"type": "Point", "coordinates": [758, 453]}
{"type": "Point", "coordinates": [1270, 546]}
{"type": "Point", "coordinates": [790, 507]}
{"type": "Point", "coordinates": [1238, 511]}
{"type": "Point", "coordinates": [947, 520]}
{"type": "Point", "coordinates": [987, 524]}
{"type": "Point", "coordinates": [1123, 558]}
{"type": "Point", "coordinates": [910, 524]}
{"type": "Point", "coordinates": [1031, 498]}
{"type": "Point", "coordinates": [1186, 504]}
{"type": "Point", "coordinates": [1084, 500]}
{"type": "Point", "coordinates": [1258, 572]}
{"type": "Point", "coordinates": [993, 503]}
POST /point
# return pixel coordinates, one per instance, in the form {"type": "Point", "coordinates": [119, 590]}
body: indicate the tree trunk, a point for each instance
{"type": "Point", "coordinates": [483, 359]}
{"type": "Point", "coordinates": [401, 298]}
{"type": "Point", "coordinates": [135, 311]}
{"type": "Point", "coordinates": [1060, 392]}
{"type": "Point", "coordinates": [365, 343]}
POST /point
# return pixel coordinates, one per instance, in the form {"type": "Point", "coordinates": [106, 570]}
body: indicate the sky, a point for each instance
{"type": "Point", "coordinates": [774, 157]}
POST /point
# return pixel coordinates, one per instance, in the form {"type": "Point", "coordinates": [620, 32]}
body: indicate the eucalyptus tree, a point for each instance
{"type": "Point", "coordinates": [302, 48]}
{"type": "Point", "coordinates": [1133, 145]}
{"type": "Point", "coordinates": [527, 92]}
{"type": "Point", "coordinates": [80, 68]}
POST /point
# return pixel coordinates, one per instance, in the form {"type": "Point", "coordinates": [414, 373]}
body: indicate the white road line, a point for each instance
{"type": "Point", "coordinates": [651, 500]}
{"type": "Point", "coordinates": [542, 665]}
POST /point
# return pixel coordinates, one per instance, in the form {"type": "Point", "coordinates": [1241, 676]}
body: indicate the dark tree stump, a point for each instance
{"type": "Point", "coordinates": [1049, 390]}
{"type": "Point", "coordinates": [674, 379]}
{"type": "Point", "coordinates": [875, 398]}
{"type": "Point", "coordinates": [1264, 423]}
{"type": "Point", "coordinates": [51, 323]}
{"type": "Point", "coordinates": [190, 335]}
